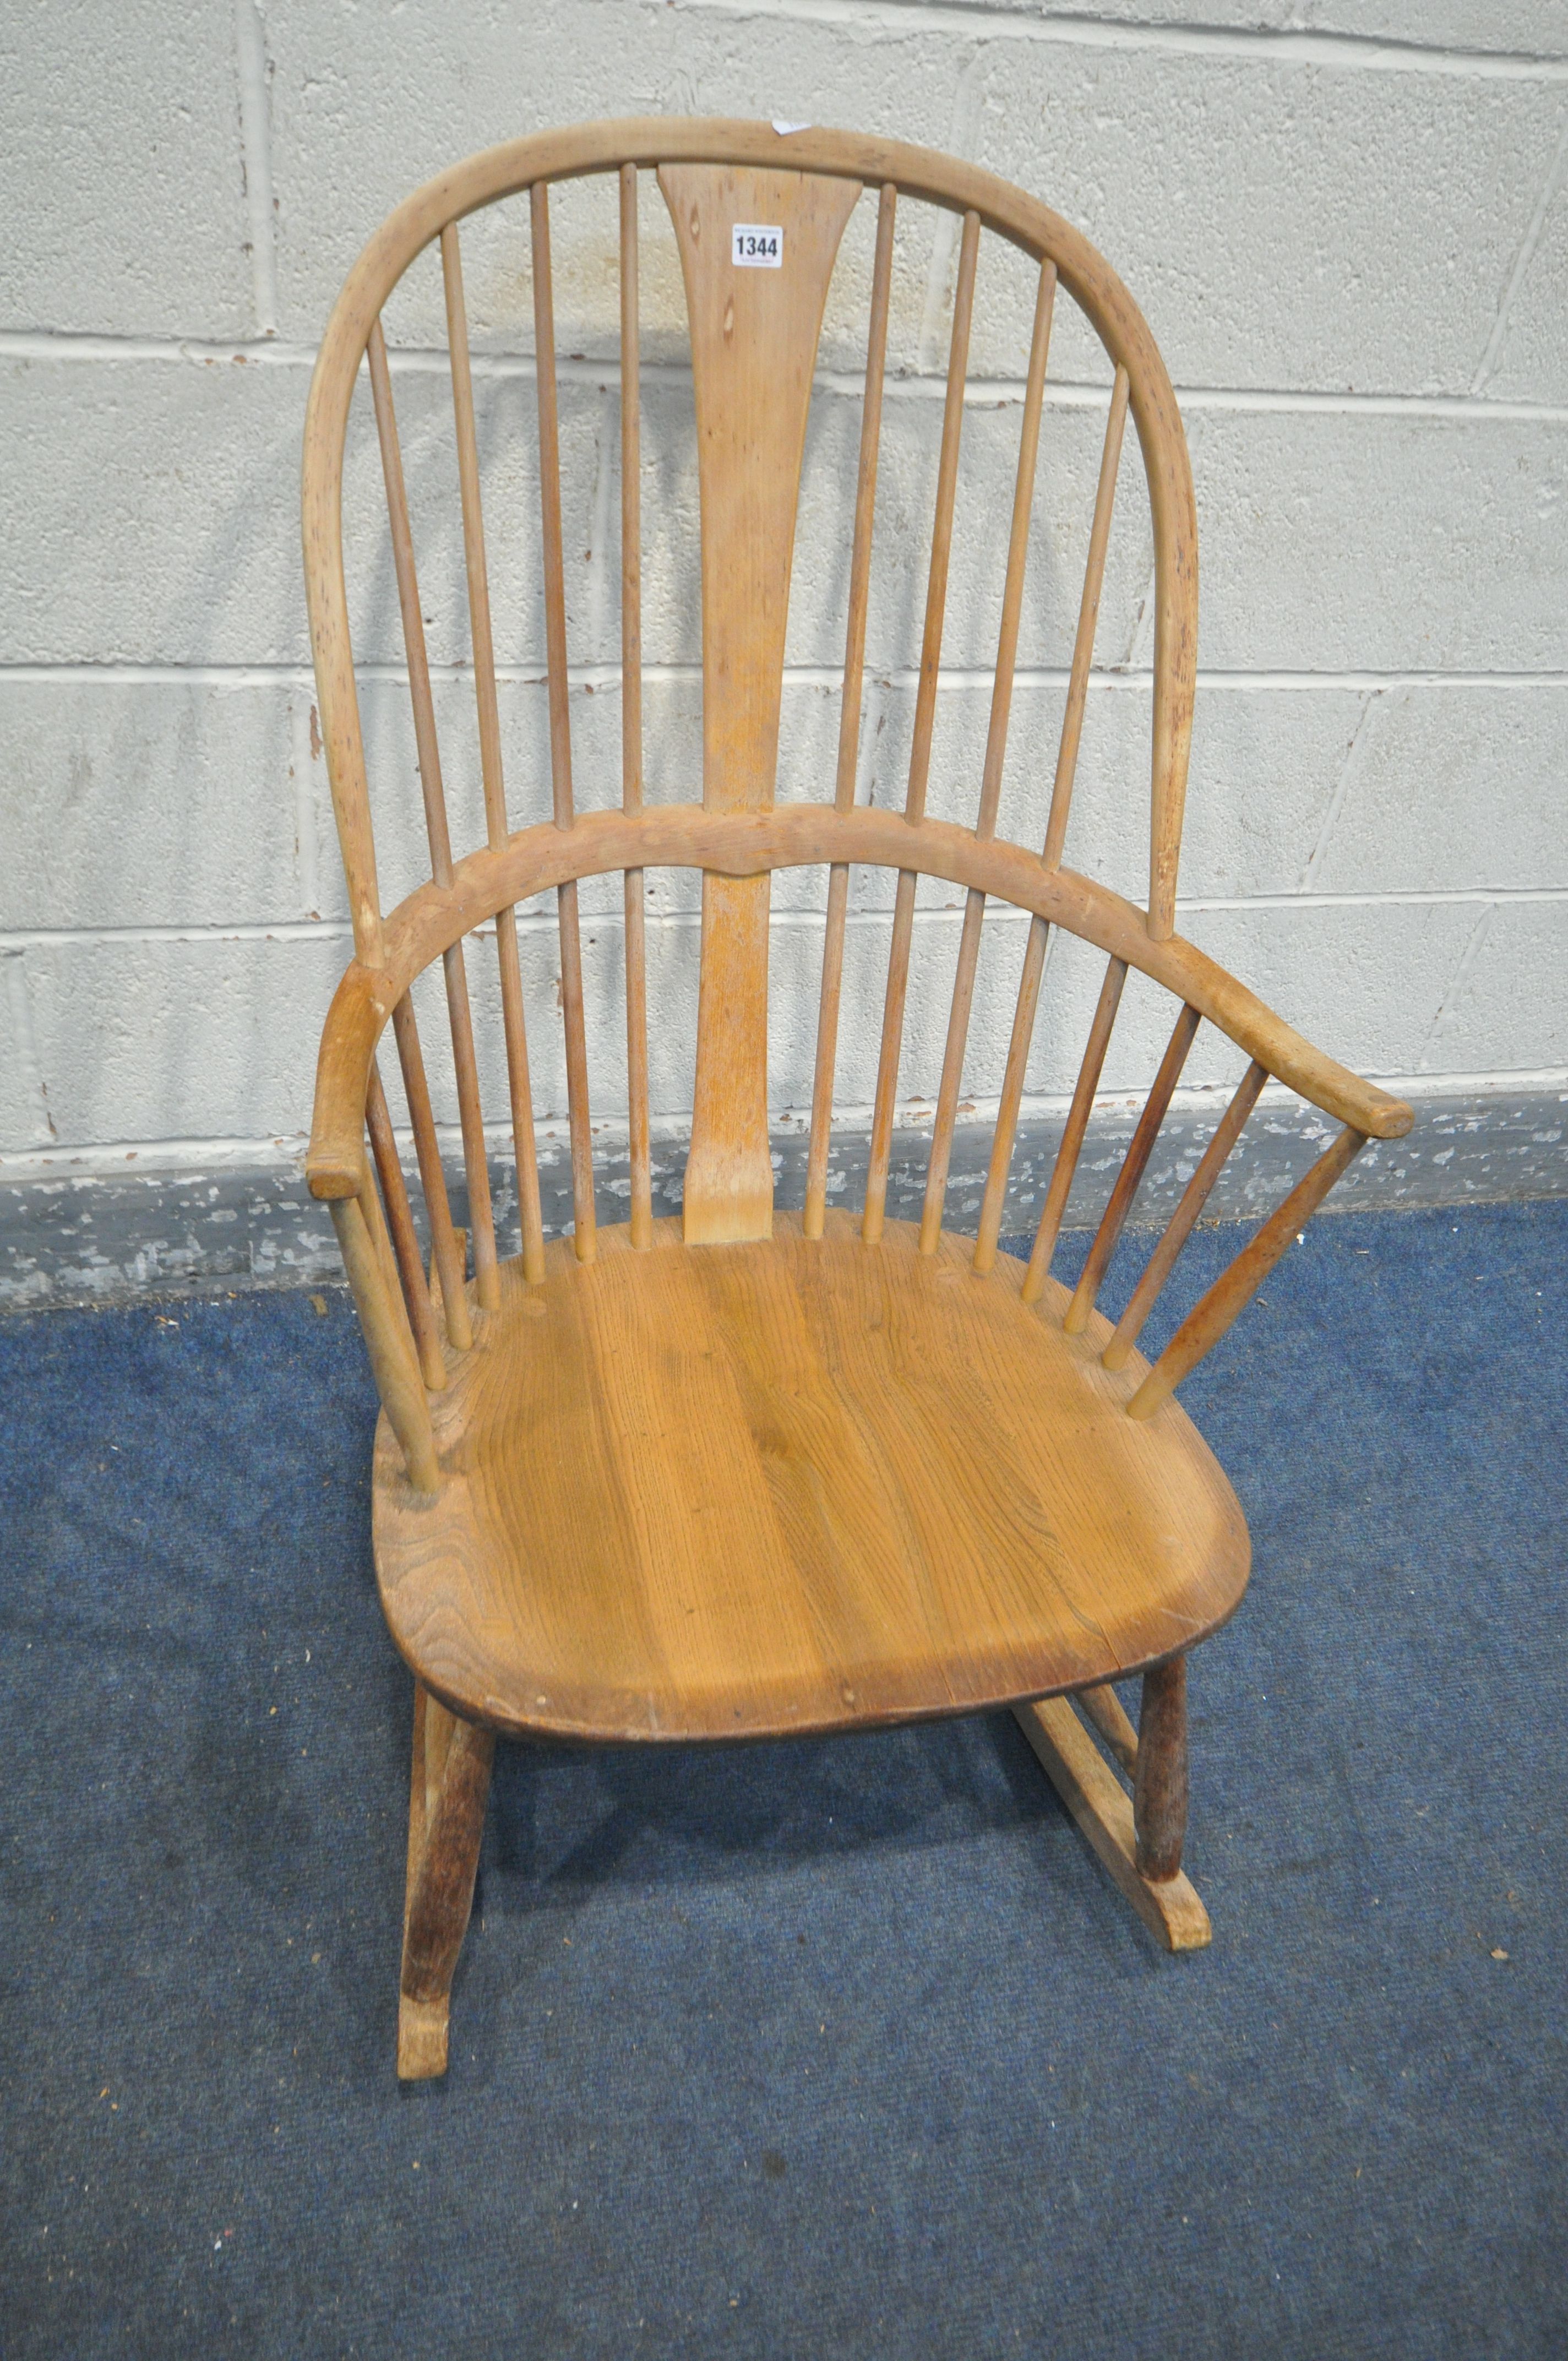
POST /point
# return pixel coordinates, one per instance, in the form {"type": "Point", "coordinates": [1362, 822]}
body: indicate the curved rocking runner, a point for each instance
{"type": "Point", "coordinates": [747, 1474]}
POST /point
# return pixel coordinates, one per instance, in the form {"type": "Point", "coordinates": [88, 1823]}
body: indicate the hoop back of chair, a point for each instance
{"type": "Point", "coordinates": [757, 217]}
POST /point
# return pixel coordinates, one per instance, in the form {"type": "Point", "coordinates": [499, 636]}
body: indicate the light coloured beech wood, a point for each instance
{"type": "Point", "coordinates": [513, 1026]}
{"type": "Point", "coordinates": [422, 2033]}
{"type": "Point", "coordinates": [884, 1105]}
{"type": "Point", "coordinates": [1172, 1910]}
{"type": "Point", "coordinates": [1017, 554]}
{"type": "Point", "coordinates": [405, 1245]}
{"type": "Point", "coordinates": [478, 615]}
{"type": "Point", "coordinates": [792, 1485]}
{"type": "Point", "coordinates": [386, 1263]}
{"type": "Point", "coordinates": [435, 1288]}
{"type": "Point", "coordinates": [520, 1086]}
{"type": "Point", "coordinates": [958, 1012]}
{"type": "Point", "coordinates": [403, 1402]}
{"type": "Point", "coordinates": [753, 340]}
{"type": "Point", "coordinates": [1012, 1080]}
{"type": "Point", "coordinates": [446, 1254]}
{"type": "Point", "coordinates": [1234, 1289]}
{"type": "Point", "coordinates": [1140, 1148]}
{"type": "Point", "coordinates": [1074, 1129]}
{"type": "Point", "coordinates": [1055, 833]}
{"type": "Point", "coordinates": [572, 1009]}
{"type": "Point", "coordinates": [826, 1069]}
{"type": "Point", "coordinates": [403, 566]}
{"type": "Point", "coordinates": [1194, 1197]}
{"type": "Point", "coordinates": [849, 717]}
{"type": "Point", "coordinates": [639, 1152]}
{"type": "Point", "coordinates": [439, 839]}
{"type": "Point", "coordinates": [638, 1139]}
{"type": "Point", "coordinates": [1087, 618]}
{"type": "Point", "coordinates": [1105, 1710]}
{"type": "Point", "coordinates": [584, 1215]}
{"type": "Point", "coordinates": [476, 1156]}
{"type": "Point", "coordinates": [995, 758]}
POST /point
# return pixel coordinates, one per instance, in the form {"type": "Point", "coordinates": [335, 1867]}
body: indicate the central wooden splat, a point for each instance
{"type": "Point", "coordinates": [755, 300]}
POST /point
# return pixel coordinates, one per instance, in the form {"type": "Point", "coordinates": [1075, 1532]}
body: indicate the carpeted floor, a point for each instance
{"type": "Point", "coordinates": [835, 2049]}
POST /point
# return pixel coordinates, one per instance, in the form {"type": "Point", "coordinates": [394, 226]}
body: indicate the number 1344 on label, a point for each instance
{"type": "Point", "coordinates": [755, 247]}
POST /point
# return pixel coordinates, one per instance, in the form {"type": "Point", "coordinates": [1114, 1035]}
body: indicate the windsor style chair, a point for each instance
{"type": "Point", "coordinates": [754, 1472]}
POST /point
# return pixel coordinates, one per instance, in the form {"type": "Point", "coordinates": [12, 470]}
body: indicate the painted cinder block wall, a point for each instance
{"type": "Point", "coordinates": [1348, 227]}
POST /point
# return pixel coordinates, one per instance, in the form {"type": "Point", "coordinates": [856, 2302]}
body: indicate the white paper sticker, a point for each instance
{"type": "Point", "coordinates": [784, 128]}
{"type": "Point", "coordinates": [754, 246]}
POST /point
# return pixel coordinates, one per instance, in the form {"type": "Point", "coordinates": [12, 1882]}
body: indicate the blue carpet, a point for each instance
{"type": "Point", "coordinates": [839, 2048]}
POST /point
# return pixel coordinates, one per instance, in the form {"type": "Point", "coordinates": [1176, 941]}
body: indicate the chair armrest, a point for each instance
{"type": "Point", "coordinates": [1289, 1057]}
{"type": "Point", "coordinates": [745, 844]}
{"type": "Point", "coordinates": [360, 1007]}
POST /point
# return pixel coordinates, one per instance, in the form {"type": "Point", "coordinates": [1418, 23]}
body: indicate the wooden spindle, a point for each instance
{"type": "Point", "coordinates": [1017, 555]}
{"type": "Point", "coordinates": [512, 1020]}
{"type": "Point", "coordinates": [1073, 1130]}
{"type": "Point", "coordinates": [826, 1049]}
{"type": "Point", "coordinates": [1234, 1289]}
{"type": "Point", "coordinates": [1088, 617]}
{"type": "Point", "coordinates": [1130, 1327]}
{"type": "Point", "coordinates": [849, 718]}
{"type": "Point", "coordinates": [952, 1074]}
{"type": "Point", "coordinates": [392, 1360]}
{"type": "Point", "coordinates": [475, 570]}
{"type": "Point", "coordinates": [429, 752]}
{"type": "Point", "coordinates": [637, 1142]}
{"type": "Point", "coordinates": [1105, 1710]}
{"type": "Point", "coordinates": [400, 1225]}
{"type": "Point", "coordinates": [1012, 1080]}
{"type": "Point", "coordinates": [1055, 831]}
{"type": "Point", "coordinates": [632, 714]}
{"type": "Point", "coordinates": [476, 1156]}
{"type": "Point", "coordinates": [583, 1217]}
{"type": "Point", "coordinates": [386, 1260]}
{"type": "Point", "coordinates": [432, 1176]}
{"type": "Point", "coordinates": [920, 750]}
{"type": "Point", "coordinates": [1140, 1148]}
{"type": "Point", "coordinates": [995, 758]}
{"type": "Point", "coordinates": [439, 837]}
{"type": "Point", "coordinates": [550, 510]}
{"type": "Point", "coordinates": [530, 1213]}
{"type": "Point", "coordinates": [1160, 1781]}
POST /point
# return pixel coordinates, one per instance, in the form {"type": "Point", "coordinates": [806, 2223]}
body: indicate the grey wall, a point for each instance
{"type": "Point", "coordinates": [1348, 227]}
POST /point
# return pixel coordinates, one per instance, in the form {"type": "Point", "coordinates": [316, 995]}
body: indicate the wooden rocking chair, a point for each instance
{"type": "Point", "coordinates": [751, 1473]}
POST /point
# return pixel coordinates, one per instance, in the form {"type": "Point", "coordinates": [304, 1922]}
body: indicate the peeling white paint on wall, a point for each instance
{"type": "Point", "coordinates": [1347, 222]}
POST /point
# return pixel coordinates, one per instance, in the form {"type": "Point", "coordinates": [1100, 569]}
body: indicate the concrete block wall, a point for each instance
{"type": "Point", "coordinates": [1347, 224]}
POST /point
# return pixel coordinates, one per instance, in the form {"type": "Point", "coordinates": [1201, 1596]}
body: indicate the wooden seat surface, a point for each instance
{"type": "Point", "coordinates": [750, 1490]}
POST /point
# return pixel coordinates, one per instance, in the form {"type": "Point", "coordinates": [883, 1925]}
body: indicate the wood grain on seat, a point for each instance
{"type": "Point", "coordinates": [748, 1489]}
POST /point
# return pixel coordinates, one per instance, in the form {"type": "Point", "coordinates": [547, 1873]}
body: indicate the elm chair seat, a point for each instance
{"type": "Point", "coordinates": [792, 1486]}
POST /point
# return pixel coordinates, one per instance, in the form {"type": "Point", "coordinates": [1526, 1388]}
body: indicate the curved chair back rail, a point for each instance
{"type": "Point", "coordinates": [754, 337]}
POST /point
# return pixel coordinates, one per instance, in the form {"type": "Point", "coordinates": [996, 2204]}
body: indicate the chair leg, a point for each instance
{"type": "Point", "coordinates": [448, 1790]}
{"type": "Point", "coordinates": [1159, 1788]}
{"type": "Point", "coordinates": [1129, 1832]}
